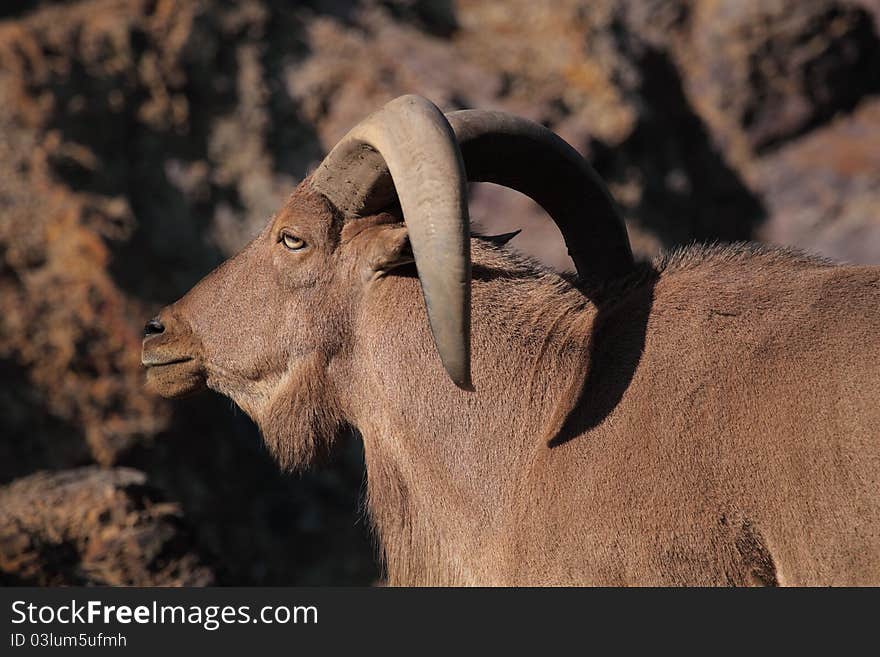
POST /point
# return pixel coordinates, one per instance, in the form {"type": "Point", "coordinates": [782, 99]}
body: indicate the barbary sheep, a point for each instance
{"type": "Point", "coordinates": [712, 418]}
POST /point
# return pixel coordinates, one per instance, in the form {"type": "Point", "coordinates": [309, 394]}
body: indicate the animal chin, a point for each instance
{"type": "Point", "coordinates": [175, 378]}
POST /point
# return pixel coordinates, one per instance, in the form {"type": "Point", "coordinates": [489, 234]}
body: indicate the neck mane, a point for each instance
{"type": "Point", "coordinates": [445, 467]}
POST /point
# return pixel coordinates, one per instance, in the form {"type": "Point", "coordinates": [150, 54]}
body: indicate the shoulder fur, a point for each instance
{"type": "Point", "coordinates": [698, 255]}
{"type": "Point", "coordinates": [500, 261]}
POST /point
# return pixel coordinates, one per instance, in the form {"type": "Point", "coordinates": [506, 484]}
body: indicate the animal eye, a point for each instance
{"type": "Point", "coordinates": [292, 242]}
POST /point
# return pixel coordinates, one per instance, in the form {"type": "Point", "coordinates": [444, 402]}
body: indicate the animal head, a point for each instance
{"type": "Point", "coordinates": [272, 327]}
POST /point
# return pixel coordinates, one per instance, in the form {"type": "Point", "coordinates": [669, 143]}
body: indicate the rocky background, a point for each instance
{"type": "Point", "coordinates": [143, 141]}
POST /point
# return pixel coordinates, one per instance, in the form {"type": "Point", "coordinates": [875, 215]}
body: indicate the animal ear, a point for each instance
{"type": "Point", "coordinates": [389, 248]}
{"type": "Point", "coordinates": [498, 240]}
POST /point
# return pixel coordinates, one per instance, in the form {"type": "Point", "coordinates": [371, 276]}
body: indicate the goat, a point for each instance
{"type": "Point", "coordinates": [711, 418]}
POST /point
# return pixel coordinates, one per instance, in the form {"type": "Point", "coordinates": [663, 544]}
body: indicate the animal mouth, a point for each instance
{"type": "Point", "coordinates": [173, 377]}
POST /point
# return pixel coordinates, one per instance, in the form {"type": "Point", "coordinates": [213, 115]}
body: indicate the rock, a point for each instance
{"type": "Point", "coordinates": [824, 189]}
{"type": "Point", "coordinates": [768, 72]}
{"type": "Point", "coordinates": [91, 526]}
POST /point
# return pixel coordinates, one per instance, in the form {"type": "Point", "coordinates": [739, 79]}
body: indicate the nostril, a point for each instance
{"type": "Point", "coordinates": [153, 327]}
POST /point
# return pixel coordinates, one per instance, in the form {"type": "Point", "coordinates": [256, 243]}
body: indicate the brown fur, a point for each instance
{"type": "Point", "coordinates": [711, 420]}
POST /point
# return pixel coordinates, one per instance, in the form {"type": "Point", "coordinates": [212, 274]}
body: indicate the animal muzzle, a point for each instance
{"type": "Point", "coordinates": [172, 356]}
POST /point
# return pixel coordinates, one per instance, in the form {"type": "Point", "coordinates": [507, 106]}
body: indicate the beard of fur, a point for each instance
{"type": "Point", "coordinates": [303, 418]}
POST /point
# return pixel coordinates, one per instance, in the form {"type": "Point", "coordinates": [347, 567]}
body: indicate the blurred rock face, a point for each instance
{"type": "Point", "coordinates": [90, 526]}
{"type": "Point", "coordinates": [143, 141]}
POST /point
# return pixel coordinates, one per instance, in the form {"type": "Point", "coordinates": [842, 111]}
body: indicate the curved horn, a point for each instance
{"type": "Point", "coordinates": [525, 156]}
{"type": "Point", "coordinates": [412, 140]}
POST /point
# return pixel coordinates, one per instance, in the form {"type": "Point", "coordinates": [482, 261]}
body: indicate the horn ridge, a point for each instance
{"type": "Point", "coordinates": [410, 139]}
{"type": "Point", "coordinates": [514, 152]}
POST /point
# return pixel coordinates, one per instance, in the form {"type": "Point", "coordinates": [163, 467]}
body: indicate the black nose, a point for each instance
{"type": "Point", "coordinates": [152, 327]}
